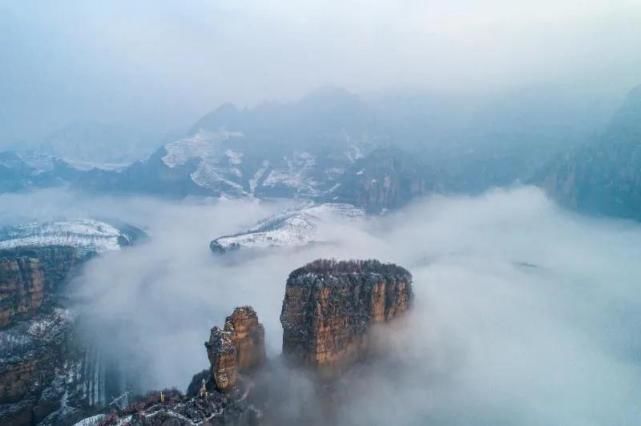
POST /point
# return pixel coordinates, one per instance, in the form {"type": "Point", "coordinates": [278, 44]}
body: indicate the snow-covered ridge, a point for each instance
{"type": "Point", "coordinates": [203, 146]}
{"type": "Point", "coordinates": [232, 163]}
{"type": "Point", "coordinates": [292, 228]}
{"type": "Point", "coordinates": [87, 234]}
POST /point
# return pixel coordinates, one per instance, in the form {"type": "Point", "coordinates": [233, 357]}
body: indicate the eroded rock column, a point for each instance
{"type": "Point", "coordinates": [238, 347]}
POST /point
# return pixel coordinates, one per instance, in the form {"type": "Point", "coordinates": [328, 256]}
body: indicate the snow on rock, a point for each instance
{"type": "Point", "coordinates": [295, 175]}
{"type": "Point", "coordinates": [92, 421]}
{"type": "Point", "coordinates": [354, 153]}
{"type": "Point", "coordinates": [234, 157]}
{"type": "Point", "coordinates": [253, 182]}
{"type": "Point", "coordinates": [209, 176]}
{"type": "Point", "coordinates": [203, 146]}
{"type": "Point", "coordinates": [86, 234]}
{"type": "Point", "coordinates": [292, 228]}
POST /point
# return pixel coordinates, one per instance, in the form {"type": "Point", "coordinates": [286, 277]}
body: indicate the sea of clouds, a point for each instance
{"type": "Point", "coordinates": [524, 313]}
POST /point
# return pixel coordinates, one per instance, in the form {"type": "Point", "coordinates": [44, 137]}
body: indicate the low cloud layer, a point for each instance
{"type": "Point", "coordinates": [525, 314]}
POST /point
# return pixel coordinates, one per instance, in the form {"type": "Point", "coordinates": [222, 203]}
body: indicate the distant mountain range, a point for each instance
{"type": "Point", "coordinates": [378, 154]}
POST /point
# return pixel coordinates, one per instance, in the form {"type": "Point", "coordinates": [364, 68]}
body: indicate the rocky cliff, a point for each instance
{"type": "Point", "coordinates": [603, 177]}
{"type": "Point", "coordinates": [21, 287]}
{"type": "Point", "coordinates": [328, 311]}
{"type": "Point", "coordinates": [45, 374]}
{"type": "Point", "coordinates": [28, 276]}
{"type": "Point", "coordinates": [384, 180]}
{"type": "Point", "coordinates": [330, 306]}
{"type": "Point", "coordinates": [33, 358]}
{"type": "Point", "coordinates": [236, 348]}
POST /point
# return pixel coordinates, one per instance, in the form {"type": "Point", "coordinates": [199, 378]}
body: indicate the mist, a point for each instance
{"type": "Point", "coordinates": [524, 313]}
{"type": "Point", "coordinates": [155, 66]}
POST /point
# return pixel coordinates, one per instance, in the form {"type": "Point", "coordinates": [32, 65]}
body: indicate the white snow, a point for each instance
{"type": "Point", "coordinates": [203, 145]}
{"type": "Point", "coordinates": [291, 228]}
{"type": "Point", "coordinates": [208, 175]}
{"type": "Point", "coordinates": [253, 182]}
{"type": "Point", "coordinates": [296, 173]}
{"type": "Point", "coordinates": [85, 233]}
{"type": "Point", "coordinates": [234, 157]}
{"type": "Point", "coordinates": [354, 153]}
{"type": "Point", "coordinates": [91, 421]}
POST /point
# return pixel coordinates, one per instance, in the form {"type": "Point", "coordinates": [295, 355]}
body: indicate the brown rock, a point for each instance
{"type": "Point", "coordinates": [30, 277]}
{"type": "Point", "coordinates": [330, 306]}
{"type": "Point", "coordinates": [22, 288]}
{"type": "Point", "coordinates": [237, 348]}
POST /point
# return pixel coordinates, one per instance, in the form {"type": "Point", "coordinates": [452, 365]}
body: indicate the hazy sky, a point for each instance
{"type": "Point", "coordinates": [162, 64]}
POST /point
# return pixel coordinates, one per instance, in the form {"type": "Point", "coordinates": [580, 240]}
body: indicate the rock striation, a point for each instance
{"type": "Point", "coordinates": [330, 306]}
{"type": "Point", "coordinates": [28, 276]}
{"type": "Point", "coordinates": [22, 287]}
{"type": "Point", "coordinates": [236, 348]}
{"type": "Point", "coordinates": [46, 375]}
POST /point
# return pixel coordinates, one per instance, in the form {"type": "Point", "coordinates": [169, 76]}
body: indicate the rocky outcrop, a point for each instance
{"type": "Point", "coordinates": [22, 286]}
{"type": "Point", "coordinates": [45, 375]}
{"type": "Point", "coordinates": [386, 179]}
{"type": "Point", "coordinates": [236, 348]}
{"type": "Point", "coordinates": [29, 277]}
{"type": "Point", "coordinates": [602, 177]}
{"type": "Point", "coordinates": [330, 306]}
{"type": "Point", "coordinates": [32, 358]}
{"type": "Point", "coordinates": [169, 407]}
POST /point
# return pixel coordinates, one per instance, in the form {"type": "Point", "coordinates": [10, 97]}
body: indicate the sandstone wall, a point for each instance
{"type": "Point", "coordinates": [330, 306]}
{"type": "Point", "coordinates": [28, 276]}
{"type": "Point", "coordinates": [236, 348]}
{"type": "Point", "coordinates": [22, 287]}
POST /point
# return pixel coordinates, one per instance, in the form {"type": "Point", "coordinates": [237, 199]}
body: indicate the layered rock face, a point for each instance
{"type": "Point", "coordinates": [236, 348]}
{"type": "Point", "coordinates": [384, 180]}
{"type": "Point", "coordinates": [32, 359]}
{"type": "Point", "coordinates": [28, 276]}
{"type": "Point", "coordinates": [330, 306]}
{"type": "Point", "coordinates": [22, 286]}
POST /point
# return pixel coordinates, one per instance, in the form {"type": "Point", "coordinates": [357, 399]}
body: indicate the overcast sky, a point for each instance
{"type": "Point", "coordinates": [162, 64]}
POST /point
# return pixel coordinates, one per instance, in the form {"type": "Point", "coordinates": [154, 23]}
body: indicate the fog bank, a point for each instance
{"type": "Point", "coordinates": [525, 314]}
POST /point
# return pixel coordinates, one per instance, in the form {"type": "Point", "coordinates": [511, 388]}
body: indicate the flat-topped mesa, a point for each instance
{"type": "Point", "coordinates": [238, 347]}
{"type": "Point", "coordinates": [329, 307]}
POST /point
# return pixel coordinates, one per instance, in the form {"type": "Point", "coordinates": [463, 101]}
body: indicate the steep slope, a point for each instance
{"type": "Point", "coordinates": [86, 235]}
{"type": "Point", "coordinates": [295, 227]}
{"type": "Point", "coordinates": [15, 174]}
{"type": "Point", "coordinates": [330, 306]}
{"type": "Point", "coordinates": [604, 176]}
{"type": "Point", "coordinates": [44, 374]}
{"type": "Point", "coordinates": [328, 311]}
{"type": "Point", "coordinates": [383, 180]}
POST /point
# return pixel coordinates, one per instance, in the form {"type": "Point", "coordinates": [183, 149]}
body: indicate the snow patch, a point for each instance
{"type": "Point", "coordinates": [88, 234]}
{"type": "Point", "coordinates": [203, 145]}
{"type": "Point", "coordinates": [291, 228]}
